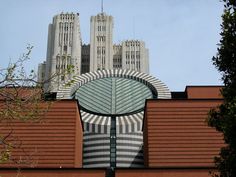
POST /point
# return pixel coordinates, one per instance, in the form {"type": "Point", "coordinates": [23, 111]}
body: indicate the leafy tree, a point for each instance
{"type": "Point", "coordinates": [224, 118]}
{"type": "Point", "coordinates": [21, 98]}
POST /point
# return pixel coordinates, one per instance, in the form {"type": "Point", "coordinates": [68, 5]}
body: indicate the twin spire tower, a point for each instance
{"type": "Point", "coordinates": [65, 49]}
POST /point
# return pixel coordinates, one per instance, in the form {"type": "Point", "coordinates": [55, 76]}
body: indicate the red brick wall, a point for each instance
{"type": "Point", "coordinates": [176, 134]}
{"type": "Point", "coordinates": [54, 141]}
{"type": "Point", "coordinates": [53, 173]}
{"type": "Point", "coordinates": [163, 173]}
{"type": "Point", "coordinates": [205, 92]}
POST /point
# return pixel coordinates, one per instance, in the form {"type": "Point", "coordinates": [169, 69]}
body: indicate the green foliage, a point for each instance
{"type": "Point", "coordinates": [224, 117]}
{"type": "Point", "coordinates": [20, 100]}
{"type": "Point", "coordinates": [6, 154]}
{"type": "Point", "coordinates": [21, 97]}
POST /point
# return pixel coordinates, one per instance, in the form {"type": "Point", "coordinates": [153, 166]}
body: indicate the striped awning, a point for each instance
{"type": "Point", "coordinates": [67, 91]}
{"type": "Point", "coordinates": [95, 123]}
{"type": "Point", "coordinates": [101, 124]}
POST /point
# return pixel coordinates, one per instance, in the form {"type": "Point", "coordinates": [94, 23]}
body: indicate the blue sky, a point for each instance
{"type": "Point", "coordinates": [181, 34]}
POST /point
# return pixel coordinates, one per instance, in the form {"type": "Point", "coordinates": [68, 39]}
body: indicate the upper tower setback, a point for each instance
{"type": "Point", "coordinates": [101, 42]}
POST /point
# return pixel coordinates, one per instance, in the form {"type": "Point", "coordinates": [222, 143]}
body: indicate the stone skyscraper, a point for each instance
{"type": "Point", "coordinates": [131, 55]}
{"type": "Point", "coordinates": [101, 44]}
{"type": "Point", "coordinates": [64, 49]}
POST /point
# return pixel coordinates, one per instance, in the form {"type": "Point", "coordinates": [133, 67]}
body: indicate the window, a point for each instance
{"type": "Point", "coordinates": [99, 28]}
{"type": "Point", "coordinates": [65, 48]}
{"type": "Point", "coordinates": [98, 50]}
{"type": "Point", "coordinates": [103, 50]}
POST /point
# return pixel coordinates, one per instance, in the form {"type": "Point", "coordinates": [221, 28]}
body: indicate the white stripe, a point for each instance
{"type": "Point", "coordinates": [93, 119]}
{"type": "Point", "coordinates": [100, 136]}
{"type": "Point", "coordinates": [96, 153]}
{"type": "Point", "coordinates": [129, 165]}
{"type": "Point", "coordinates": [96, 142]}
{"type": "Point", "coordinates": [130, 136]}
{"type": "Point", "coordinates": [97, 165]}
{"type": "Point", "coordinates": [129, 159]}
{"type": "Point", "coordinates": [130, 147]}
{"type": "Point", "coordinates": [96, 148]}
{"type": "Point", "coordinates": [104, 120]}
{"type": "Point", "coordinates": [87, 118]}
{"type": "Point", "coordinates": [129, 153]}
{"type": "Point", "coordinates": [97, 159]}
{"type": "Point", "coordinates": [135, 142]}
{"type": "Point", "coordinates": [138, 122]}
{"type": "Point", "coordinates": [97, 123]}
{"type": "Point", "coordinates": [129, 124]}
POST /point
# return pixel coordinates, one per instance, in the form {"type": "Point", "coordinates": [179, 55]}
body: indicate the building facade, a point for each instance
{"type": "Point", "coordinates": [114, 119]}
{"type": "Point", "coordinates": [112, 109]}
{"type": "Point", "coordinates": [132, 55]}
{"type": "Point", "coordinates": [65, 49]}
{"type": "Point", "coordinates": [101, 42]}
{"type": "Point", "coordinates": [41, 72]}
{"type": "Point", "coordinates": [132, 126]}
{"type": "Point", "coordinates": [117, 56]}
{"type": "Point", "coordinates": [135, 56]}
